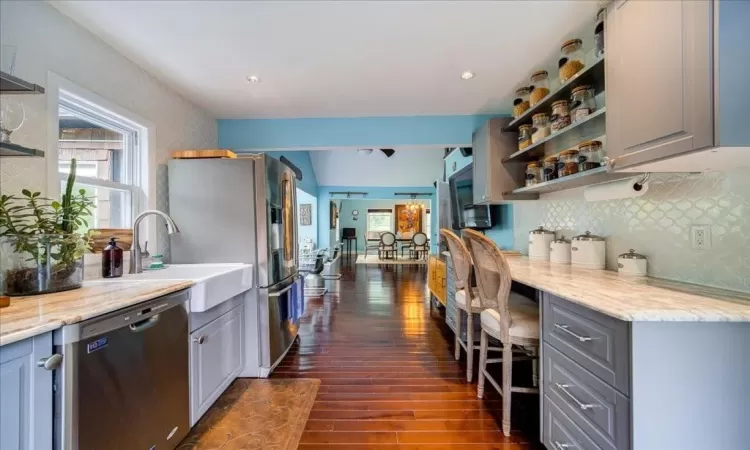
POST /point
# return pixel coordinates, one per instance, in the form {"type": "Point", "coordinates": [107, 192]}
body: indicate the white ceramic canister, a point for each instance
{"type": "Point", "coordinates": [559, 251]}
{"type": "Point", "coordinates": [632, 263]}
{"type": "Point", "coordinates": [539, 240]}
{"type": "Point", "coordinates": [588, 251]}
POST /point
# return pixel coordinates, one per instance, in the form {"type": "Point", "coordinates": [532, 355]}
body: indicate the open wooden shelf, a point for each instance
{"type": "Point", "coordinates": [536, 151]}
{"type": "Point", "coordinates": [592, 74]}
{"type": "Point", "coordinates": [589, 177]}
{"type": "Point", "coordinates": [8, 149]}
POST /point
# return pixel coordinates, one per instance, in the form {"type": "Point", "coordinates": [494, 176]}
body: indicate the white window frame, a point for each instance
{"type": "Point", "coordinates": [142, 163]}
{"type": "Point", "coordinates": [378, 211]}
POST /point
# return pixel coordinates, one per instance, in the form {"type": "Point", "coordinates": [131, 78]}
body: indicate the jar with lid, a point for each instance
{"type": "Point", "coordinates": [560, 117]}
{"type": "Point", "coordinates": [540, 129]}
{"type": "Point", "coordinates": [568, 163]}
{"type": "Point", "coordinates": [539, 86]}
{"type": "Point", "coordinates": [549, 169]}
{"type": "Point", "coordinates": [582, 103]}
{"type": "Point", "coordinates": [521, 102]}
{"type": "Point", "coordinates": [632, 263]}
{"type": "Point", "coordinates": [599, 33]}
{"type": "Point", "coordinates": [533, 173]}
{"type": "Point", "coordinates": [589, 155]}
{"type": "Point", "coordinates": [571, 59]}
{"type": "Point", "coordinates": [559, 251]}
{"type": "Point", "coordinates": [524, 136]}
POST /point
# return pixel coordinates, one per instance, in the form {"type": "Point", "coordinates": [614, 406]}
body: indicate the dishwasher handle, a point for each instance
{"type": "Point", "coordinates": [144, 325]}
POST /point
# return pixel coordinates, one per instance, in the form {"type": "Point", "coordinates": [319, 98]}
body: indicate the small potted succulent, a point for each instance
{"type": "Point", "coordinates": [42, 241]}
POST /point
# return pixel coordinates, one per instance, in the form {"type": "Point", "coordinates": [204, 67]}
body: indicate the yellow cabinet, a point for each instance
{"type": "Point", "coordinates": [436, 278]}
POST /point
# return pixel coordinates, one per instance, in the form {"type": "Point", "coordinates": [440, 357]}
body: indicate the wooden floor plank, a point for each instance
{"type": "Point", "coordinates": [388, 376]}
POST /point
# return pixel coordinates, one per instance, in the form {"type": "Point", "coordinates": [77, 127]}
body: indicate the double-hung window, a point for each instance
{"type": "Point", "coordinates": [108, 160]}
{"type": "Point", "coordinates": [379, 221]}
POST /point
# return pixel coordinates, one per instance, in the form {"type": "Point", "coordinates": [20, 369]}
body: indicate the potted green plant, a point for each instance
{"type": "Point", "coordinates": [42, 241]}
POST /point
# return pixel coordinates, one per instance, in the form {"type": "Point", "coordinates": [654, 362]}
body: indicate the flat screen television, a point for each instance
{"type": "Point", "coordinates": [465, 213]}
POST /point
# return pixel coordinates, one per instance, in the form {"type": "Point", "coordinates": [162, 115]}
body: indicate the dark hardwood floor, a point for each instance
{"type": "Point", "coordinates": [388, 377]}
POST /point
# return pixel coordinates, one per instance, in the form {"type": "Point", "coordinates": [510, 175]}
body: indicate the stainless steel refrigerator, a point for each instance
{"type": "Point", "coordinates": [243, 210]}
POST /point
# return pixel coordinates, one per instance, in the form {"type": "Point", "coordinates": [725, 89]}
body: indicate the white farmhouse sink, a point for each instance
{"type": "Point", "coordinates": [214, 283]}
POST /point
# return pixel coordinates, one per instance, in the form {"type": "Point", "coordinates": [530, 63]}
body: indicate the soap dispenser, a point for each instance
{"type": "Point", "coordinates": [112, 260]}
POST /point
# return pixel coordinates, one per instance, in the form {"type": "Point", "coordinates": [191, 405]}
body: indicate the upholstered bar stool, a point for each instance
{"type": "Point", "coordinates": [466, 298]}
{"type": "Point", "coordinates": [513, 320]}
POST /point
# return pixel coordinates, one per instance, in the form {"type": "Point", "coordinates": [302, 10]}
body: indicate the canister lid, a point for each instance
{"type": "Point", "coordinates": [588, 237]}
{"type": "Point", "coordinates": [632, 255]}
{"type": "Point", "coordinates": [551, 158]}
{"type": "Point", "coordinates": [570, 42]}
{"type": "Point", "coordinates": [561, 240]}
{"type": "Point", "coordinates": [539, 73]}
{"type": "Point", "coordinates": [526, 126]}
{"type": "Point", "coordinates": [559, 102]}
{"type": "Point", "coordinates": [541, 230]}
{"type": "Point", "coordinates": [584, 87]}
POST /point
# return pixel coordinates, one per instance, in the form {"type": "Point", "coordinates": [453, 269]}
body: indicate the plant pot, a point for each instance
{"type": "Point", "coordinates": [40, 264]}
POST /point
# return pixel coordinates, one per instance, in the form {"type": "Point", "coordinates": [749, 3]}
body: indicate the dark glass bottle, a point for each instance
{"type": "Point", "coordinates": [112, 260]}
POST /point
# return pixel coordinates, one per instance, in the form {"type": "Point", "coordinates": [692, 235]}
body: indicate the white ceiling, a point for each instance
{"type": "Point", "coordinates": [337, 58]}
{"type": "Point", "coordinates": [409, 166]}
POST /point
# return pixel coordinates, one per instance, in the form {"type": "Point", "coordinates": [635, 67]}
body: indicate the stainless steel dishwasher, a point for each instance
{"type": "Point", "coordinates": [123, 383]}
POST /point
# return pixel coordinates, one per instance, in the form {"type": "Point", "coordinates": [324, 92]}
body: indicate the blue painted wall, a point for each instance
{"type": "Point", "coordinates": [247, 134]}
{"type": "Point", "coordinates": [734, 61]}
{"type": "Point", "coordinates": [373, 193]}
{"type": "Point", "coordinates": [301, 159]}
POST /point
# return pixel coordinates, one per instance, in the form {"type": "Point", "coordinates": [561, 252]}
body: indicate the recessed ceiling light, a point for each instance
{"type": "Point", "coordinates": [467, 75]}
{"type": "Point", "coordinates": [253, 79]}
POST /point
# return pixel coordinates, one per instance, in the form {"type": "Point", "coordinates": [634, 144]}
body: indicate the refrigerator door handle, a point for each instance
{"type": "Point", "coordinates": [287, 205]}
{"type": "Point", "coordinates": [281, 292]}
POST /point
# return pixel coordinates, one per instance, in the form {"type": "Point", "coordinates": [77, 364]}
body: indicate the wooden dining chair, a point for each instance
{"type": "Point", "coordinates": [387, 245]}
{"type": "Point", "coordinates": [466, 297]}
{"type": "Point", "coordinates": [510, 318]}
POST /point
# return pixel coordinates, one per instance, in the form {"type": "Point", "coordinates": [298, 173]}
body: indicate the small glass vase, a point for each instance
{"type": "Point", "coordinates": [41, 263]}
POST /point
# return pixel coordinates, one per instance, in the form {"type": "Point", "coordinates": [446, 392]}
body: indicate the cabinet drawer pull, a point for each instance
{"type": "Point", "coordinates": [561, 446]}
{"type": "Point", "coordinates": [200, 339]}
{"type": "Point", "coordinates": [581, 405]}
{"type": "Point", "coordinates": [577, 336]}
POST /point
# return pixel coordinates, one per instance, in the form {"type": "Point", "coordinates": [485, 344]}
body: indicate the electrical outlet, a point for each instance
{"type": "Point", "coordinates": [700, 236]}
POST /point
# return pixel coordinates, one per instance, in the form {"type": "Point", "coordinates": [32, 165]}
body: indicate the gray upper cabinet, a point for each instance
{"type": "Point", "coordinates": [26, 394]}
{"type": "Point", "coordinates": [659, 79]}
{"type": "Point", "coordinates": [491, 178]}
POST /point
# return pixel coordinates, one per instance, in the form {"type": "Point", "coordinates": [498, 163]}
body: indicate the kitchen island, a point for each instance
{"type": "Point", "coordinates": [638, 363]}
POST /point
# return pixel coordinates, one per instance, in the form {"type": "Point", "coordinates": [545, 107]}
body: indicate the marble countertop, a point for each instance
{"type": "Point", "coordinates": [33, 315]}
{"type": "Point", "coordinates": [632, 298]}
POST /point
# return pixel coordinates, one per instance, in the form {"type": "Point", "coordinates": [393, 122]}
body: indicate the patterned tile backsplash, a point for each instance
{"type": "Point", "coordinates": [658, 224]}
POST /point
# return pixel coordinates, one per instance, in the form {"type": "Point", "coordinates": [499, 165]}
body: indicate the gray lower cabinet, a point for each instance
{"type": "Point", "coordinates": [659, 75]}
{"type": "Point", "coordinates": [216, 351]}
{"type": "Point", "coordinates": [26, 394]}
{"type": "Point", "coordinates": [585, 378]}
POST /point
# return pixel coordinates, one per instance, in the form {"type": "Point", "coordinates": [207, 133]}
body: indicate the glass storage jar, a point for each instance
{"type": "Point", "coordinates": [571, 59]}
{"type": "Point", "coordinates": [582, 103]}
{"type": "Point", "coordinates": [541, 127]}
{"type": "Point", "coordinates": [521, 102]}
{"type": "Point", "coordinates": [589, 155]}
{"type": "Point", "coordinates": [533, 173]}
{"type": "Point", "coordinates": [560, 117]}
{"type": "Point", "coordinates": [549, 169]}
{"type": "Point", "coordinates": [599, 33]}
{"type": "Point", "coordinates": [539, 86]}
{"type": "Point", "coordinates": [524, 136]}
{"type": "Point", "coordinates": [568, 163]}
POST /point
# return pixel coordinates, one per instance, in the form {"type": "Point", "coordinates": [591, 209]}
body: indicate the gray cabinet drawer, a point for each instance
{"type": "Point", "coordinates": [595, 404]}
{"type": "Point", "coordinates": [562, 433]}
{"type": "Point", "coordinates": [599, 343]}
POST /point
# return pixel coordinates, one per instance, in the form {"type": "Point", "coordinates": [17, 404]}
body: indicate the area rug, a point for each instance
{"type": "Point", "coordinates": [255, 414]}
{"type": "Point", "coordinates": [373, 259]}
